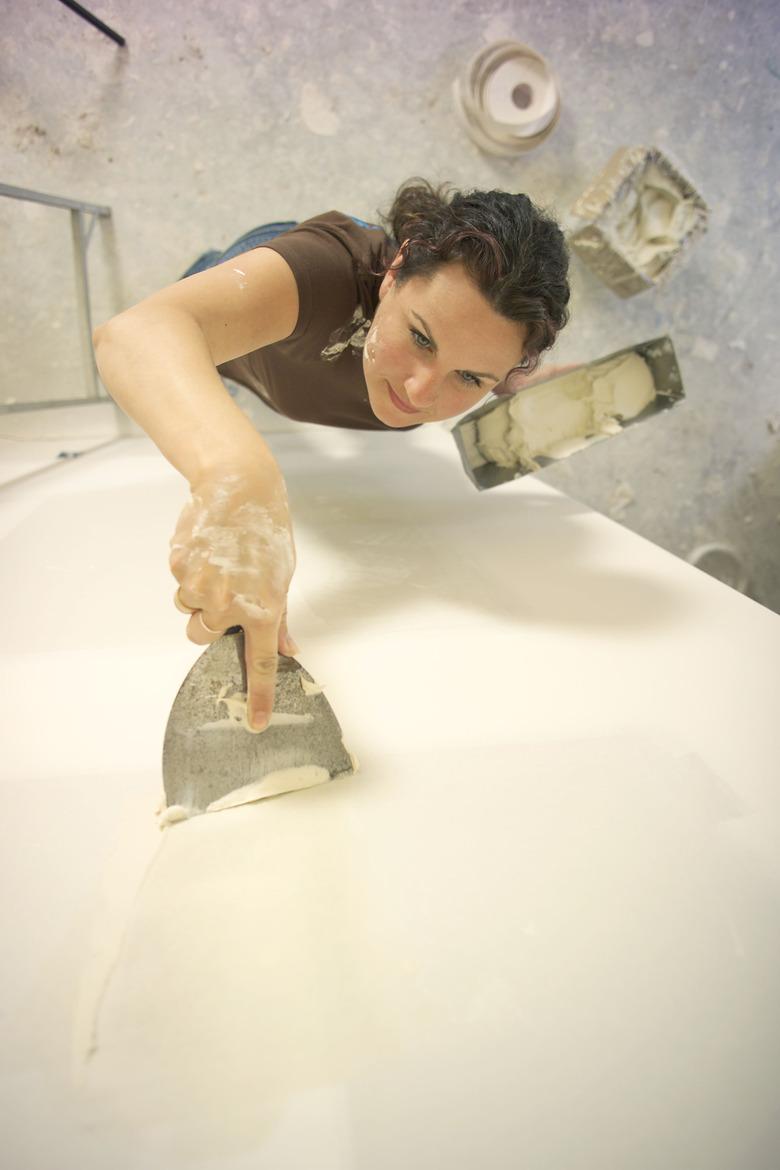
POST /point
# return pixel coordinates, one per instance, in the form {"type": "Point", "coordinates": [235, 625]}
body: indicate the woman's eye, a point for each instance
{"type": "Point", "coordinates": [420, 339]}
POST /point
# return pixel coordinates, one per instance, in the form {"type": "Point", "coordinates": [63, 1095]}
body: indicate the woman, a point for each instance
{"type": "Point", "coordinates": [329, 321]}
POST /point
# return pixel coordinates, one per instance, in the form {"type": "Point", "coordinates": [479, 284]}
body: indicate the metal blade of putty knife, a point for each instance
{"type": "Point", "coordinates": [212, 760]}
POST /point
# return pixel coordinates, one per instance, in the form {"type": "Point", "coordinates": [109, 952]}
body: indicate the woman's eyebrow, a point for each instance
{"type": "Point", "coordinates": [476, 373]}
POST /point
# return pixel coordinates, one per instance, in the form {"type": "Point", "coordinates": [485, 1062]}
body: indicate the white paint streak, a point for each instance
{"type": "Point", "coordinates": [498, 28]}
{"type": "Point", "coordinates": [251, 547]}
{"type": "Point", "coordinates": [237, 715]}
{"type": "Point", "coordinates": [372, 341]}
{"type": "Point", "coordinates": [317, 112]}
{"type": "Point", "coordinates": [258, 613]}
{"type": "Point", "coordinates": [172, 815]}
{"type": "Point", "coordinates": [704, 348]}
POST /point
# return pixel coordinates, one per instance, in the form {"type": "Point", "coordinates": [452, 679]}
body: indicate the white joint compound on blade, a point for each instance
{"type": "Point", "coordinates": [273, 784]}
{"type": "Point", "coordinates": [237, 715]}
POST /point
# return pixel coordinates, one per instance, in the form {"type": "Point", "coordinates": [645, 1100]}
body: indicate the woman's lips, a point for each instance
{"type": "Point", "coordinates": [396, 401]}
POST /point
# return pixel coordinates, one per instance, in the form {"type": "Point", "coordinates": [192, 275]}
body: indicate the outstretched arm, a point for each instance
{"type": "Point", "coordinates": [233, 552]}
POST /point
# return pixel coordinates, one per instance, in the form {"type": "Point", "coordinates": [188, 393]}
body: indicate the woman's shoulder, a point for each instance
{"type": "Point", "coordinates": [338, 262]}
{"type": "Point", "coordinates": [356, 234]}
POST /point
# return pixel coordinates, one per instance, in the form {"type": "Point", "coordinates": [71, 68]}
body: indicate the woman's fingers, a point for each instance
{"type": "Point", "coordinates": [233, 555]}
{"type": "Point", "coordinates": [201, 631]}
{"type": "Point", "coordinates": [181, 604]}
{"type": "Point", "coordinates": [287, 645]}
{"type": "Point", "coordinates": [260, 643]}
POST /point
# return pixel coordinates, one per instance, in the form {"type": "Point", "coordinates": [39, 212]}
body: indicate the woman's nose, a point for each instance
{"type": "Point", "coordinates": [421, 388]}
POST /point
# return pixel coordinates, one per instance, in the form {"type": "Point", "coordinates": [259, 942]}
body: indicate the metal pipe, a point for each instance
{"type": "Point", "coordinates": [81, 232]}
{"type": "Point", "coordinates": [74, 7]}
{"type": "Point", "coordinates": [82, 302]}
{"type": "Point", "coordinates": [53, 200]}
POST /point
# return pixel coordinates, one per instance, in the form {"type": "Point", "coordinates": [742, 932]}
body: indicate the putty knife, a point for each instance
{"type": "Point", "coordinates": [211, 758]}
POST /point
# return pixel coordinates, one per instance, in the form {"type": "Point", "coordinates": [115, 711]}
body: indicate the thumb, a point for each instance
{"type": "Point", "coordinates": [287, 645]}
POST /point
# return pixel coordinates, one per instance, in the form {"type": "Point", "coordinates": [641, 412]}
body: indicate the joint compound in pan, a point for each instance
{"type": "Point", "coordinates": [636, 220]}
{"type": "Point", "coordinates": [469, 435]}
{"type": "Point", "coordinates": [649, 220]}
{"type": "Point", "coordinates": [564, 415]}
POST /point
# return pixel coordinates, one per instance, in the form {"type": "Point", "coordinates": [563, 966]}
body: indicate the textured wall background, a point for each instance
{"type": "Point", "coordinates": [220, 116]}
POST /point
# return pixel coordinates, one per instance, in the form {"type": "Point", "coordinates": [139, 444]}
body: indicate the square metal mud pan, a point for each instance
{"type": "Point", "coordinates": [661, 360]}
{"type": "Point", "coordinates": [600, 253]}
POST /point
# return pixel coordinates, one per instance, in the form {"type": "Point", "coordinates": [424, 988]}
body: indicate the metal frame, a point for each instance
{"type": "Point", "coordinates": [83, 217]}
{"type": "Point", "coordinates": [104, 28]}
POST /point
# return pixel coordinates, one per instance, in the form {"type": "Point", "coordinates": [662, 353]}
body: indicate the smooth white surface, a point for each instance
{"type": "Point", "coordinates": [31, 440]}
{"type": "Point", "coordinates": [540, 926]}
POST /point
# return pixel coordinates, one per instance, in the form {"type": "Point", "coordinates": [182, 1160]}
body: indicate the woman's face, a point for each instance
{"type": "Point", "coordinates": [435, 347]}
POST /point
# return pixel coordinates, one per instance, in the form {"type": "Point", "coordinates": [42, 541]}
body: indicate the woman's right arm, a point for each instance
{"type": "Point", "coordinates": [232, 552]}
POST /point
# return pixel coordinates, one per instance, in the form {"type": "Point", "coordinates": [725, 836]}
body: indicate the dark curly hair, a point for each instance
{"type": "Point", "coordinates": [514, 252]}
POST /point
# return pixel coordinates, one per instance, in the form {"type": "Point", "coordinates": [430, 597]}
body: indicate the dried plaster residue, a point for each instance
{"type": "Point", "coordinates": [235, 705]}
{"type": "Point", "coordinates": [271, 784]}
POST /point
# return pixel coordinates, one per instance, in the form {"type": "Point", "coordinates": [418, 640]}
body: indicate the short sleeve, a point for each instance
{"type": "Point", "coordinates": [323, 256]}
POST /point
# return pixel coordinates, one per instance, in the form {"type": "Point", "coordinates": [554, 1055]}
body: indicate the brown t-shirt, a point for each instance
{"type": "Point", "coordinates": [316, 374]}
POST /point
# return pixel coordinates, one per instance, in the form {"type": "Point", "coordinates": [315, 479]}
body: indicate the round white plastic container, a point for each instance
{"type": "Point", "coordinates": [507, 98]}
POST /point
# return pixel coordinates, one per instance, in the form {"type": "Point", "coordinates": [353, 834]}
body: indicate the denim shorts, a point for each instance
{"type": "Point", "coordinates": [249, 240]}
